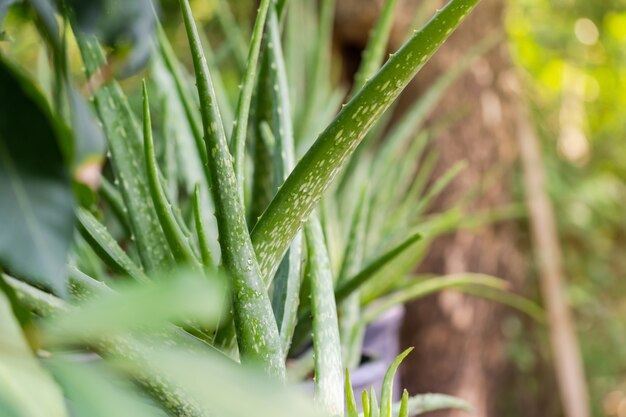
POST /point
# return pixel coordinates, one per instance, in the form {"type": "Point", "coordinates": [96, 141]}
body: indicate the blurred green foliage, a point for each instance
{"type": "Point", "coordinates": [573, 61]}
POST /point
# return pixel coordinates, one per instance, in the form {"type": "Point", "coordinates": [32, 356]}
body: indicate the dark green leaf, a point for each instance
{"type": "Point", "coordinates": [37, 205]}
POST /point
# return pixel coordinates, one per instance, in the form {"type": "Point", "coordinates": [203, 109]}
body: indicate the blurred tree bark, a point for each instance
{"type": "Point", "coordinates": [458, 339]}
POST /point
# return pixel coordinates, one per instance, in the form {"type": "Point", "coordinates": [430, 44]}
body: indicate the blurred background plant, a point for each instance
{"type": "Point", "coordinates": [573, 68]}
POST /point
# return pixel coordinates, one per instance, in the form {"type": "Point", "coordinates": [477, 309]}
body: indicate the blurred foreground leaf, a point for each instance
{"type": "Point", "coordinates": [37, 205]}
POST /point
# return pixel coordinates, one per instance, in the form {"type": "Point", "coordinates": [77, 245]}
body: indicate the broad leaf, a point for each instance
{"type": "Point", "coordinates": [37, 205]}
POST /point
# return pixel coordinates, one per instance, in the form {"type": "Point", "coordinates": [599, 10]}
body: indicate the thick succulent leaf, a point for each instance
{"type": "Point", "coordinates": [257, 333]}
{"type": "Point", "coordinates": [209, 259]}
{"type": "Point", "coordinates": [224, 387]}
{"type": "Point", "coordinates": [365, 403]}
{"type": "Point", "coordinates": [240, 128]}
{"type": "Point", "coordinates": [350, 400]}
{"type": "Point", "coordinates": [424, 403]}
{"type": "Point", "coordinates": [326, 341]}
{"type": "Point", "coordinates": [374, 409]}
{"type": "Point", "coordinates": [319, 63]}
{"type": "Point", "coordinates": [37, 204]}
{"type": "Point", "coordinates": [107, 248]}
{"type": "Point", "coordinates": [21, 374]}
{"type": "Point", "coordinates": [429, 286]}
{"type": "Point", "coordinates": [178, 241]}
{"type": "Point", "coordinates": [285, 298]}
{"type": "Point", "coordinates": [316, 170]}
{"type": "Point", "coordinates": [352, 284]}
{"type": "Point", "coordinates": [404, 405]}
{"type": "Point", "coordinates": [387, 388]}
{"type": "Point", "coordinates": [124, 138]}
{"type": "Point", "coordinates": [350, 306]}
{"type": "Point", "coordinates": [375, 50]}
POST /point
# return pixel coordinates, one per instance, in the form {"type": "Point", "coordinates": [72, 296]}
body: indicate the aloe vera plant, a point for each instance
{"type": "Point", "coordinates": [298, 270]}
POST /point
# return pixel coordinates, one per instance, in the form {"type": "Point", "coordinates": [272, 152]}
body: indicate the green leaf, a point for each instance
{"type": "Point", "coordinates": [182, 296]}
{"type": "Point", "coordinates": [387, 389]}
{"type": "Point", "coordinates": [37, 205]}
{"type": "Point", "coordinates": [123, 347]}
{"type": "Point", "coordinates": [96, 391]}
{"type": "Point", "coordinates": [424, 403]}
{"type": "Point", "coordinates": [257, 332]}
{"type": "Point", "coordinates": [125, 145]}
{"type": "Point", "coordinates": [287, 281]}
{"type": "Point", "coordinates": [119, 24]}
{"type": "Point", "coordinates": [178, 241]}
{"type": "Point", "coordinates": [404, 405]}
{"type": "Point", "coordinates": [365, 402]}
{"type": "Point", "coordinates": [375, 50]}
{"type": "Point", "coordinates": [374, 410]}
{"type": "Point", "coordinates": [21, 375]}
{"type": "Point", "coordinates": [208, 258]}
{"type": "Point", "coordinates": [224, 387]}
{"type": "Point", "coordinates": [358, 280]}
{"type": "Point", "coordinates": [326, 341]}
{"type": "Point", "coordinates": [99, 239]}
{"type": "Point", "coordinates": [350, 401]}
{"type": "Point", "coordinates": [429, 286]}
{"type": "Point", "coordinates": [240, 129]}
{"type": "Point", "coordinates": [316, 170]}
{"type": "Point", "coordinates": [350, 307]}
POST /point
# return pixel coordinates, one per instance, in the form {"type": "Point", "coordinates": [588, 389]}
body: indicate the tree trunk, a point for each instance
{"type": "Point", "coordinates": [457, 338]}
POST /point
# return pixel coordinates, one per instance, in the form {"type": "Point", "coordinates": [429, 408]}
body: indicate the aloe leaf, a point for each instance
{"type": "Point", "coordinates": [365, 403]}
{"type": "Point", "coordinates": [176, 238]}
{"type": "Point", "coordinates": [349, 393]}
{"type": "Point", "coordinates": [114, 199]}
{"type": "Point", "coordinates": [430, 286]}
{"type": "Point", "coordinates": [437, 188]}
{"type": "Point", "coordinates": [233, 32]}
{"type": "Point", "coordinates": [263, 179]}
{"type": "Point", "coordinates": [186, 99]}
{"type": "Point", "coordinates": [374, 410]}
{"type": "Point", "coordinates": [387, 388]}
{"type": "Point", "coordinates": [318, 81]}
{"type": "Point", "coordinates": [99, 239]}
{"type": "Point", "coordinates": [326, 341]}
{"type": "Point", "coordinates": [350, 307]}
{"type": "Point", "coordinates": [404, 405]}
{"type": "Point", "coordinates": [410, 121]}
{"type": "Point", "coordinates": [424, 403]}
{"type": "Point", "coordinates": [37, 204]}
{"type": "Point", "coordinates": [240, 128]}
{"type": "Point", "coordinates": [257, 332]}
{"type": "Point", "coordinates": [375, 50]}
{"type": "Point", "coordinates": [502, 296]}
{"type": "Point", "coordinates": [313, 174]}
{"type": "Point", "coordinates": [352, 284]}
{"type": "Point", "coordinates": [21, 374]}
{"type": "Point", "coordinates": [225, 388]}
{"type": "Point", "coordinates": [127, 157]}
{"type": "Point", "coordinates": [208, 258]}
{"type": "Point", "coordinates": [285, 297]}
